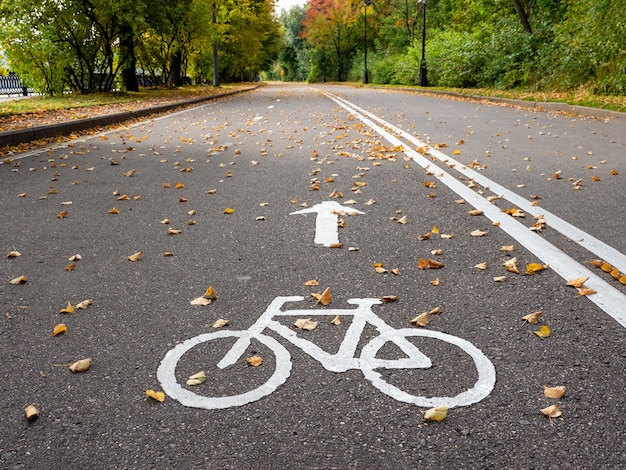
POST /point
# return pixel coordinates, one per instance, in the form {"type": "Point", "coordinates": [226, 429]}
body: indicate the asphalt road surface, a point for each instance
{"type": "Point", "coordinates": [366, 192]}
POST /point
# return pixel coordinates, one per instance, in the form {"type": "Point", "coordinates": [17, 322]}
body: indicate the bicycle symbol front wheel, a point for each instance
{"type": "Point", "coordinates": [166, 373]}
{"type": "Point", "coordinates": [481, 388]}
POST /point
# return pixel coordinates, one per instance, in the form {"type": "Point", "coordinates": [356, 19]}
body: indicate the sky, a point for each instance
{"type": "Point", "coordinates": [287, 4]}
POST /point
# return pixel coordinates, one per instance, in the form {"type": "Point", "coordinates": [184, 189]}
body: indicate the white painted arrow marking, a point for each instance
{"type": "Point", "coordinates": [328, 212]}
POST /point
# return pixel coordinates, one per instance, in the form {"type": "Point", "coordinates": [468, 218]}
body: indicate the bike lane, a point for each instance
{"type": "Point", "coordinates": [265, 156]}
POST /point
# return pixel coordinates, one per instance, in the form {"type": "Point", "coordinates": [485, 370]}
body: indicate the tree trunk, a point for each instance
{"type": "Point", "coordinates": [127, 52]}
{"type": "Point", "coordinates": [522, 16]}
{"type": "Point", "coordinates": [175, 79]}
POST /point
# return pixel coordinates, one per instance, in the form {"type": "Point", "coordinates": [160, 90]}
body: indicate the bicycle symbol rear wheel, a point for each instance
{"type": "Point", "coordinates": [166, 373]}
{"type": "Point", "coordinates": [481, 388]}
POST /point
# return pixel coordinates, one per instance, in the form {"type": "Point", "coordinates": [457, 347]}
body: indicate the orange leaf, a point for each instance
{"type": "Point", "coordinates": [58, 329]}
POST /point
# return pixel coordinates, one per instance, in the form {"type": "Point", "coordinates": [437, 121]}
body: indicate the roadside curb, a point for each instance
{"type": "Point", "coordinates": [555, 107]}
{"type": "Point", "coordinates": [30, 134]}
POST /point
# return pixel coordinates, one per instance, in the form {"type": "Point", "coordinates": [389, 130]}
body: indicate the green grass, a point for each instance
{"type": "Point", "coordinates": [37, 104]}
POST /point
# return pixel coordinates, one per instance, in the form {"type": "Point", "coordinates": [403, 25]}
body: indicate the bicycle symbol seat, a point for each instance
{"type": "Point", "coordinates": [343, 360]}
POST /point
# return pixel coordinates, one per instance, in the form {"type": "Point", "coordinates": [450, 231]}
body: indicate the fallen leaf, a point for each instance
{"type": "Point", "coordinates": [554, 392]}
{"type": "Point", "coordinates": [180, 185]}
{"type": "Point", "coordinates": [478, 233]}
{"type": "Point", "coordinates": [130, 173]}
{"type": "Point", "coordinates": [220, 323]}
{"type": "Point", "coordinates": [165, 221]}
{"type": "Point", "coordinates": [75, 257]}
{"type": "Point", "coordinates": [577, 282]}
{"type": "Point", "coordinates": [336, 321]}
{"type": "Point", "coordinates": [422, 263]}
{"type": "Point", "coordinates": [325, 298]}
{"type": "Point", "coordinates": [229, 210]}
{"type": "Point", "coordinates": [68, 309]}
{"type": "Point", "coordinates": [499, 278]}
{"type": "Point", "coordinates": [62, 215]}
{"type": "Point", "coordinates": [135, 256]}
{"type": "Point", "coordinates": [18, 280]}
{"type": "Point", "coordinates": [403, 220]}
{"type": "Point", "coordinates": [200, 301]}
{"type": "Point", "coordinates": [13, 254]}
{"type": "Point", "coordinates": [435, 282]}
{"type": "Point", "coordinates": [420, 320]}
{"type": "Point", "coordinates": [197, 379]}
{"type": "Point", "coordinates": [70, 267]}
{"type": "Point", "coordinates": [254, 361]}
{"type": "Point", "coordinates": [532, 318]}
{"type": "Point", "coordinates": [84, 304]}
{"type": "Point", "coordinates": [173, 231]}
{"type": "Point", "coordinates": [31, 412]}
{"type": "Point", "coordinates": [475, 212]}
{"type": "Point", "coordinates": [81, 366]}
{"type": "Point", "coordinates": [586, 291]}
{"type": "Point", "coordinates": [312, 282]}
{"type": "Point", "coordinates": [511, 265]}
{"type": "Point", "coordinates": [114, 211]}
{"type": "Point", "coordinates": [482, 266]}
{"type": "Point", "coordinates": [158, 396]}
{"type": "Point", "coordinates": [543, 332]}
{"type": "Point", "coordinates": [551, 411]}
{"type": "Point", "coordinates": [210, 293]}
{"type": "Point", "coordinates": [306, 324]}
{"type": "Point", "coordinates": [438, 413]}
{"type": "Point", "coordinates": [58, 329]}
{"type": "Point", "coordinates": [389, 298]}
{"type": "Point", "coordinates": [507, 248]}
{"type": "Point", "coordinates": [432, 264]}
{"type": "Point", "coordinates": [535, 267]}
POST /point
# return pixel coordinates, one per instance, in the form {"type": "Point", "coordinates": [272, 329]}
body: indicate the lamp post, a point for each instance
{"type": "Point", "coordinates": [365, 79]}
{"type": "Point", "coordinates": [423, 80]}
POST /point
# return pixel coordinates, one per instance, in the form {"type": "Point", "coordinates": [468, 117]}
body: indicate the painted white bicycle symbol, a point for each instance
{"type": "Point", "coordinates": [341, 361]}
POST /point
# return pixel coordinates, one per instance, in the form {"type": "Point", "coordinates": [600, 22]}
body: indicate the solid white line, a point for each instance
{"type": "Point", "coordinates": [608, 298]}
{"type": "Point", "coordinates": [587, 241]}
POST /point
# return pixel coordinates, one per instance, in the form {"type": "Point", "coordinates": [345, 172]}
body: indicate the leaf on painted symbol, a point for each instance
{"type": "Point", "coordinates": [532, 268]}
{"type": "Point", "coordinates": [389, 298]}
{"type": "Point", "coordinates": [551, 411]}
{"type": "Point", "coordinates": [482, 266]}
{"type": "Point", "coordinates": [158, 396]}
{"type": "Point", "coordinates": [554, 392]}
{"type": "Point", "coordinates": [84, 304]}
{"type": "Point", "coordinates": [68, 309]}
{"type": "Point", "coordinates": [438, 413]}
{"type": "Point", "coordinates": [58, 329]}
{"type": "Point", "coordinates": [135, 256]}
{"type": "Point", "coordinates": [577, 282]}
{"type": "Point", "coordinates": [220, 323]}
{"type": "Point", "coordinates": [511, 265]}
{"type": "Point", "coordinates": [543, 332]}
{"type": "Point", "coordinates": [14, 254]}
{"type": "Point", "coordinates": [306, 324]}
{"type": "Point", "coordinates": [254, 361]}
{"type": "Point", "coordinates": [312, 282]}
{"type": "Point", "coordinates": [478, 233]}
{"type": "Point", "coordinates": [81, 366]}
{"type": "Point", "coordinates": [420, 320]}
{"type": "Point", "coordinates": [586, 291]}
{"type": "Point", "coordinates": [532, 318]}
{"type": "Point", "coordinates": [197, 379]}
{"type": "Point", "coordinates": [18, 280]}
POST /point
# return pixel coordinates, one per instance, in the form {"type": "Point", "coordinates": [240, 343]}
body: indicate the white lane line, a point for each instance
{"type": "Point", "coordinates": [587, 241]}
{"type": "Point", "coordinates": [608, 298]}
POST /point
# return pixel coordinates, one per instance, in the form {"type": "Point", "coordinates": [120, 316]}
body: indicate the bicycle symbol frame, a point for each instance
{"type": "Point", "coordinates": [341, 361]}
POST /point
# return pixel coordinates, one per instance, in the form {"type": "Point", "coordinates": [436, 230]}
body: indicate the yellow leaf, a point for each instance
{"type": "Point", "coordinates": [554, 392]}
{"type": "Point", "coordinates": [158, 396]}
{"type": "Point", "coordinates": [31, 412]}
{"type": "Point", "coordinates": [422, 263]}
{"type": "Point", "coordinates": [81, 366]}
{"type": "Point", "coordinates": [325, 298]}
{"type": "Point", "coordinates": [438, 413]}
{"type": "Point", "coordinates": [58, 329]}
{"type": "Point", "coordinates": [420, 320]}
{"type": "Point", "coordinates": [135, 256]}
{"type": "Point", "coordinates": [18, 280]}
{"type": "Point", "coordinates": [68, 309]}
{"type": "Point", "coordinates": [180, 185]}
{"type": "Point", "coordinates": [577, 282]}
{"type": "Point", "coordinates": [535, 267]}
{"type": "Point", "coordinates": [532, 318]}
{"type": "Point", "coordinates": [254, 361]}
{"type": "Point", "coordinates": [586, 291]}
{"type": "Point", "coordinates": [606, 267]}
{"type": "Point", "coordinates": [551, 411]}
{"type": "Point", "coordinates": [435, 230]}
{"type": "Point", "coordinates": [115, 210]}
{"type": "Point", "coordinates": [306, 324]}
{"type": "Point", "coordinates": [511, 265]}
{"type": "Point", "coordinates": [336, 321]}
{"type": "Point", "coordinates": [197, 379]}
{"type": "Point", "coordinates": [229, 210]}
{"type": "Point", "coordinates": [543, 332]}
{"type": "Point", "coordinates": [475, 212]}
{"type": "Point", "coordinates": [220, 323]}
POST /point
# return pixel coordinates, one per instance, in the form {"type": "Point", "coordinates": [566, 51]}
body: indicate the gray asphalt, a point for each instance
{"type": "Point", "coordinates": [260, 151]}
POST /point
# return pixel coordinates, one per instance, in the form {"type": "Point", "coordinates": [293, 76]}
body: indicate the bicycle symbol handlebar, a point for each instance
{"type": "Point", "coordinates": [343, 360]}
